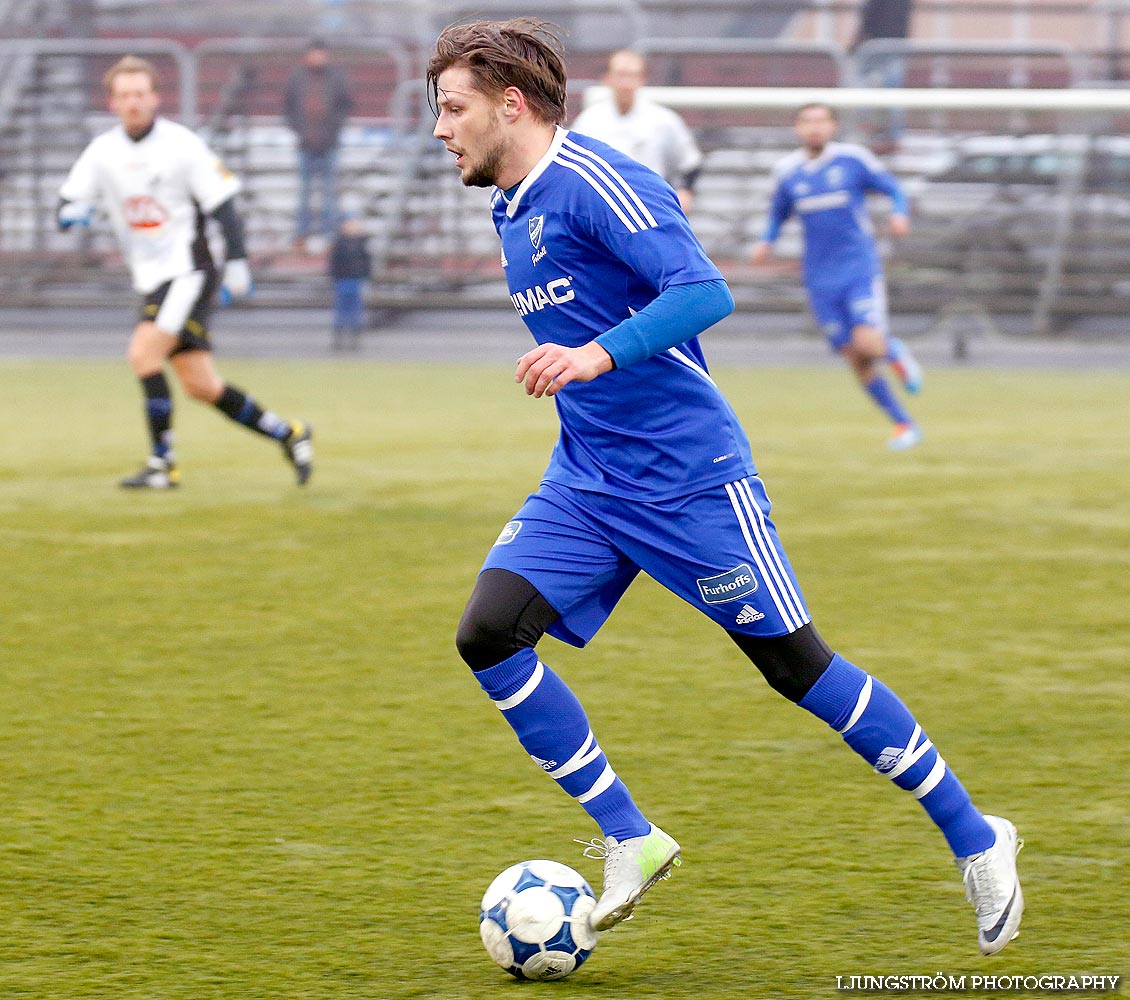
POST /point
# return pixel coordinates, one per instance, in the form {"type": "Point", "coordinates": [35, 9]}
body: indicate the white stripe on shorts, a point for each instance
{"type": "Point", "coordinates": [777, 581]}
{"type": "Point", "coordinates": [179, 301]}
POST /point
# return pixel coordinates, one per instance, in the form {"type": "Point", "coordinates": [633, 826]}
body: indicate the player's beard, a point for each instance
{"type": "Point", "coordinates": [485, 172]}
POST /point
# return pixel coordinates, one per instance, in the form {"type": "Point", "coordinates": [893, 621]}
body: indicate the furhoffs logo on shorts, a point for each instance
{"type": "Point", "coordinates": [729, 586]}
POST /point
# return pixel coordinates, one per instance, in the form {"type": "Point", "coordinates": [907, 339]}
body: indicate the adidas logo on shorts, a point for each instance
{"type": "Point", "coordinates": [748, 615]}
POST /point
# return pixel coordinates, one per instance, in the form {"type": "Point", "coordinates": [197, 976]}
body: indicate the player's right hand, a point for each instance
{"type": "Point", "coordinates": [236, 281]}
{"type": "Point", "coordinates": [762, 251]}
{"type": "Point", "coordinates": [75, 213]}
{"type": "Point", "coordinates": [548, 368]}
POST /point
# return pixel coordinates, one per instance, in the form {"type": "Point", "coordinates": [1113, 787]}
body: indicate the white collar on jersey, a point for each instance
{"type": "Point", "coordinates": [539, 169]}
{"type": "Point", "coordinates": [830, 151]}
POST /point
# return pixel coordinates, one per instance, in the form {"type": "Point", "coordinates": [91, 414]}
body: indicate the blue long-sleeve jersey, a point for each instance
{"type": "Point", "coordinates": [829, 195]}
{"type": "Point", "coordinates": [590, 238]}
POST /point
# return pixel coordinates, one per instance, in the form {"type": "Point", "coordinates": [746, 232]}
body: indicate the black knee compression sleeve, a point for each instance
{"type": "Point", "coordinates": [504, 614]}
{"type": "Point", "coordinates": [791, 663]}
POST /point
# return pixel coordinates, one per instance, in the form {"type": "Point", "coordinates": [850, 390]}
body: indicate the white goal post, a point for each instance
{"type": "Point", "coordinates": [1073, 100]}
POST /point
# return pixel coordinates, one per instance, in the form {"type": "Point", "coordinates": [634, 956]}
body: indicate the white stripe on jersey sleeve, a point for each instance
{"type": "Point", "coordinates": [631, 227]}
{"type": "Point", "coordinates": [691, 364]}
{"type": "Point", "coordinates": [580, 152]}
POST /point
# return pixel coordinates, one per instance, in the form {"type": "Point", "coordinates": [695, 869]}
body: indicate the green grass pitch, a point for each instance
{"type": "Point", "coordinates": [239, 756]}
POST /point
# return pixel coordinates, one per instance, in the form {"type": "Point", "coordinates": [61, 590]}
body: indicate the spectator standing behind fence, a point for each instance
{"type": "Point", "coordinates": [318, 102]}
{"type": "Point", "coordinates": [648, 132]}
{"type": "Point", "coordinates": [884, 19]}
{"type": "Point", "coordinates": [350, 268]}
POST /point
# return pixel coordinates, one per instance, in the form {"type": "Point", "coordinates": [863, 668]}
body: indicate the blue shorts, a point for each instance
{"type": "Point", "coordinates": [861, 301]}
{"type": "Point", "coordinates": [716, 549]}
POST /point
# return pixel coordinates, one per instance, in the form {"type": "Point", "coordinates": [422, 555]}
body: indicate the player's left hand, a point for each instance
{"type": "Point", "coordinates": [75, 213]}
{"type": "Point", "coordinates": [899, 225]}
{"type": "Point", "coordinates": [236, 282]}
{"type": "Point", "coordinates": [549, 367]}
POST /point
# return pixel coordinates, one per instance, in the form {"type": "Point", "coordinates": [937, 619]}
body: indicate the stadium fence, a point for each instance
{"type": "Point", "coordinates": [1019, 192]}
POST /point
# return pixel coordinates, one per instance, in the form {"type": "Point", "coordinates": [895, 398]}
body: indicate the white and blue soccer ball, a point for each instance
{"type": "Point", "coordinates": [534, 920]}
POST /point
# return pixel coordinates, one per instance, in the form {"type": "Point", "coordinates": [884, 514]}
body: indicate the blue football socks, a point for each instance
{"type": "Point", "coordinates": [879, 727]}
{"type": "Point", "coordinates": [879, 389]}
{"type": "Point", "coordinates": [553, 729]}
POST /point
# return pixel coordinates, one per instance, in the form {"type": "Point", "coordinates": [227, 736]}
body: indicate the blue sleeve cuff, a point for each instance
{"type": "Point", "coordinates": [899, 203]}
{"type": "Point", "coordinates": [677, 314]}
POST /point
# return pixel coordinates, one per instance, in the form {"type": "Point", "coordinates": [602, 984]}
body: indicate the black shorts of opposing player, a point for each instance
{"type": "Point", "coordinates": [194, 335]}
{"type": "Point", "coordinates": [505, 614]}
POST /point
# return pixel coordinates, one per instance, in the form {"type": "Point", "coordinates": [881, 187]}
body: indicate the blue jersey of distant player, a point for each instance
{"type": "Point", "coordinates": [828, 193]}
{"type": "Point", "coordinates": [589, 237]}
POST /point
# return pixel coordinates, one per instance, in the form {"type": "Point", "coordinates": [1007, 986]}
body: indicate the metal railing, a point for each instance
{"type": "Point", "coordinates": [259, 48]}
{"type": "Point", "coordinates": [12, 49]}
{"type": "Point", "coordinates": [756, 47]}
{"type": "Point", "coordinates": [942, 54]}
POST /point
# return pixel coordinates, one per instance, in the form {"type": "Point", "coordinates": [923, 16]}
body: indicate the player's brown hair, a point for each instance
{"type": "Point", "coordinates": [525, 53]}
{"type": "Point", "coordinates": [130, 64]}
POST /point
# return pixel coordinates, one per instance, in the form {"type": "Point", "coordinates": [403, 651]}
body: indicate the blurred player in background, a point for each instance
{"type": "Point", "coordinates": [826, 183]}
{"type": "Point", "coordinates": [157, 182]}
{"type": "Point", "coordinates": [652, 471]}
{"type": "Point", "coordinates": [646, 131]}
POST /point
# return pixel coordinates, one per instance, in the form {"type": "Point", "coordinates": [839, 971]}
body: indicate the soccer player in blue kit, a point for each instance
{"type": "Point", "coordinates": [652, 471]}
{"type": "Point", "coordinates": [825, 184]}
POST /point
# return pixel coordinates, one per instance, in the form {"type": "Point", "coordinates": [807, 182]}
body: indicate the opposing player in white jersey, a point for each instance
{"type": "Point", "coordinates": [652, 471]}
{"type": "Point", "coordinates": [825, 184]}
{"type": "Point", "coordinates": [648, 132]}
{"type": "Point", "coordinates": [158, 182]}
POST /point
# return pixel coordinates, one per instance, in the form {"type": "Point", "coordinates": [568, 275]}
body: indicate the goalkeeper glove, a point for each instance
{"type": "Point", "coordinates": [75, 213]}
{"type": "Point", "coordinates": [236, 281]}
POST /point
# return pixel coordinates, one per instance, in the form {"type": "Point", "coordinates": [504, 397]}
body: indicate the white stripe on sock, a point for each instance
{"type": "Point", "coordinates": [524, 691]}
{"type": "Point", "coordinates": [910, 755]}
{"type": "Point", "coordinates": [602, 784]}
{"type": "Point", "coordinates": [937, 772]}
{"type": "Point", "coordinates": [860, 705]}
{"type": "Point", "coordinates": [583, 756]}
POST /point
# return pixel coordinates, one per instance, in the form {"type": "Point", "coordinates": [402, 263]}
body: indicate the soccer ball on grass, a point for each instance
{"type": "Point", "coordinates": [534, 920]}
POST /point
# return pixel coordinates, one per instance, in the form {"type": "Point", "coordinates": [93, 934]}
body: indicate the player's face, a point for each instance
{"type": "Point", "coordinates": [625, 76]}
{"type": "Point", "coordinates": [133, 100]}
{"type": "Point", "coordinates": [815, 128]}
{"type": "Point", "coordinates": [470, 126]}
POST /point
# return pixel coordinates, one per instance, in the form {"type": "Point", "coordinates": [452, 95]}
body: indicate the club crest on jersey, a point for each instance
{"type": "Point", "coordinates": [144, 212]}
{"type": "Point", "coordinates": [537, 225]}
{"type": "Point", "coordinates": [729, 586]}
{"type": "Point", "coordinates": [509, 533]}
